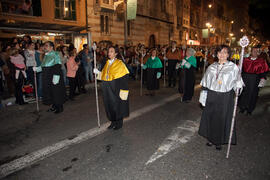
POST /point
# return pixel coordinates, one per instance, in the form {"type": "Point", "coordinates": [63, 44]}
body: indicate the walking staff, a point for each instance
{"type": "Point", "coordinates": [164, 78]}
{"type": "Point", "coordinates": [243, 43]}
{"type": "Point", "coordinates": [35, 78]}
{"type": "Point", "coordinates": [141, 74]}
{"type": "Point", "coordinates": [95, 66]}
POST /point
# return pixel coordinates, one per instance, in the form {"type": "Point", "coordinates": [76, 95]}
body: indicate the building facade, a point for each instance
{"type": "Point", "coordinates": [188, 22]}
{"type": "Point", "coordinates": [42, 19]}
{"type": "Point", "coordinates": [153, 24]}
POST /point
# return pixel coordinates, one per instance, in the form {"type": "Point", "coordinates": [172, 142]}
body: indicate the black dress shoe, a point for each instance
{"type": "Point", "coordinates": [209, 144]}
{"type": "Point", "coordinates": [110, 126]}
{"type": "Point", "coordinates": [51, 109]}
{"type": "Point", "coordinates": [218, 147]}
{"type": "Point", "coordinates": [242, 111]}
{"type": "Point", "coordinates": [117, 127]}
{"type": "Point", "coordinates": [59, 110]}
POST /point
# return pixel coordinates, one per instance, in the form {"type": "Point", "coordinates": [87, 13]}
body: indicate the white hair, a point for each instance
{"type": "Point", "coordinates": [191, 51]}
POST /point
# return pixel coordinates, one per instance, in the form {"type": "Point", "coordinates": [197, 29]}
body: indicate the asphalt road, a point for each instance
{"type": "Point", "coordinates": [163, 133]}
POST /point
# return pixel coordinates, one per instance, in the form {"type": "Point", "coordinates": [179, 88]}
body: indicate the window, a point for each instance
{"type": "Point", "coordinates": [104, 24]}
{"type": "Point", "coordinates": [163, 5]}
{"type": "Point", "coordinates": [26, 7]}
{"type": "Point", "coordinates": [107, 24]}
{"type": "Point", "coordinates": [65, 9]}
{"type": "Point", "coordinates": [180, 35]}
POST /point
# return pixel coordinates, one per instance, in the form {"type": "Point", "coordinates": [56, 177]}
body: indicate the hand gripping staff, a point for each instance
{"type": "Point", "coordinates": [95, 66]}
{"type": "Point", "coordinates": [243, 43]}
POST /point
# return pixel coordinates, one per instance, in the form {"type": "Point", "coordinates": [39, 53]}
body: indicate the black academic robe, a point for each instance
{"type": "Point", "coordinates": [217, 117]}
{"type": "Point", "coordinates": [115, 107]}
{"type": "Point", "coordinates": [187, 83]}
{"type": "Point", "coordinates": [253, 71]}
{"type": "Point", "coordinates": [115, 79]}
{"type": "Point", "coordinates": [152, 81]}
{"type": "Point", "coordinates": [53, 94]}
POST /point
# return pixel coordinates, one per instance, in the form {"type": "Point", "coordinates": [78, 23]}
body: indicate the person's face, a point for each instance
{"type": "Point", "coordinates": [47, 47]}
{"type": "Point", "coordinates": [112, 53]}
{"type": "Point", "coordinates": [154, 53]}
{"type": "Point", "coordinates": [41, 48]}
{"type": "Point", "coordinates": [223, 54]}
{"type": "Point", "coordinates": [255, 52]}
{"type": "Point", "coordinates": [188, 53]}
{"type": "Point", "coordinates": [17, 46]}
{"type": "Point", "coordinates": [64, 49]}
{"type": "Point", "coordinates": [75, 50]}
{"type": "Point", "coordinates": [105, 52]}
{"type": "Point", "coordinates": [173, 45]}
{"type": "Point", "coordinates": [32, 46]}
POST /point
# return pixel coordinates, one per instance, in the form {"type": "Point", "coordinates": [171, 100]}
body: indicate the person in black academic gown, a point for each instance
{"type": "Point", "coordinates": [115, 91]}
{"type": "Point", "coordinates": [52, 79]}
{"type": "Point", "coordinates": [254, 76]}
{"type": "Point", "coordinates": [219, 82]}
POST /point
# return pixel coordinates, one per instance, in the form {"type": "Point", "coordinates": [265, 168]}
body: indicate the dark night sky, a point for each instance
{"type": "Point", "coordinates": [260, 10]}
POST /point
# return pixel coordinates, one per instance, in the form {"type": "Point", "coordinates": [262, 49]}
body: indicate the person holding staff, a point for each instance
{"type": "Point", "coordinates": [153, 66]}
{"type": "Point", "coordinates": [219, 82]}
{"type": "Point", "coordinates": [114, 77]}
{"type": "Point", "coordinates": [52, 79]}
{"type": "Point", "coordinates": [187, 75]}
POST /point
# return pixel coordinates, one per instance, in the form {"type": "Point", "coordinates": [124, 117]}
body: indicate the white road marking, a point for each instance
{"type": "Point", "coordinates": [180, 135]}
{"type": "Point", "coordinates": [48, 151]}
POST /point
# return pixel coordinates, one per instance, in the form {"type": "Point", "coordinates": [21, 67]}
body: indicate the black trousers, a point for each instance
{"type": "Point", "coordinates": [72, 87]}
{"type": "Point", "coordinates": [18, 89]}
{"type": "Point", "coordinates": [118, 122]}
{"type": "Point", "coordinates": [80, 78]}
{"type": "Point", "coordinates": [172, 72]}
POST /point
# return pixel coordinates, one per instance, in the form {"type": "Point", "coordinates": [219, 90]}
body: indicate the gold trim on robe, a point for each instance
{"type": "Point", "coordinates": [114, 71]}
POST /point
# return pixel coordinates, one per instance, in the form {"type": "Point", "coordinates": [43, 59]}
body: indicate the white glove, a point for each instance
{"type": "Point", "coordinates": [96, 71]}
{"type": "Point", "coordinates": [141, 65]}
{"type": "Point", "coordinates": [37, 69]}
{"type": "Point", "coordinates": [183, 62]}
{"type": "Point", "coordinates": [55, 79]}
{"type": "Point", "coordinates": [94, 47]}
{"type": "Point", "coordinates": [262, 83]}
{"type": "Point", "coordinates": [177, 65]}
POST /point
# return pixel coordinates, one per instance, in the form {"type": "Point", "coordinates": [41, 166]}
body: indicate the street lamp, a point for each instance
{"type": "Point", "coordinates": [242, 30]}
{"type": "Point", "coordinates": [208, 25]}
{"type": "Point", "coordinates": [232, 22]}
{"type": "Point", "coordinates": [231, 34]}
{"type": "Point", "coordinates": [210, 6]}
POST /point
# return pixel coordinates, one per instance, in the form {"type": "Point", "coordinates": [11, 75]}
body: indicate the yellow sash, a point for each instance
{"type": "Point", "coordinates": [114, 71]}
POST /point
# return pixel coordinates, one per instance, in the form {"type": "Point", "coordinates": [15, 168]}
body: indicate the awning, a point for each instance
{"type": "Point", "coordinates": [25, 27]}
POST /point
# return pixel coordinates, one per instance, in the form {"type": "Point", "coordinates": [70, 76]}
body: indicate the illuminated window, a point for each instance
{"type": "Point", "coordinates": [65, 9]}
